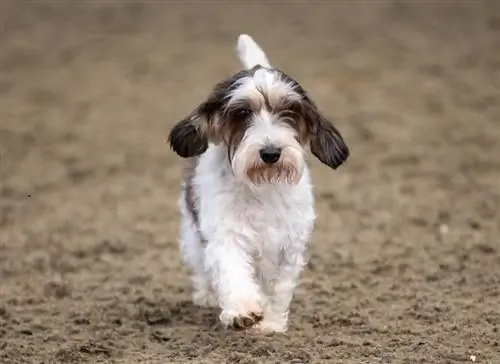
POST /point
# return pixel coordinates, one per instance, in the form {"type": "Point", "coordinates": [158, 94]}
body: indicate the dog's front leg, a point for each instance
{"type": "Point", "coordinates": [281, 293]}
{"type": "Point", "coordinates": [232, 274]}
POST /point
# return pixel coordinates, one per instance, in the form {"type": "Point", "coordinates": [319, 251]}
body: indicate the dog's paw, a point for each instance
{"type": "Point", "coordinates": [236, 320]}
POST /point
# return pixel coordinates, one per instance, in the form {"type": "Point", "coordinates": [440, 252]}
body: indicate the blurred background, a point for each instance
{"type": "Point", "coordinates": [405, 259]}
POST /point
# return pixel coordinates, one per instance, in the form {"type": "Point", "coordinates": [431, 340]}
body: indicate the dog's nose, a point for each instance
{"type": "Point", "coordinates": [270, 155]}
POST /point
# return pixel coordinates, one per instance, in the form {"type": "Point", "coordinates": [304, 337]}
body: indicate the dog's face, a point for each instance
{"type": "Point", "coordinates": [266, 121]}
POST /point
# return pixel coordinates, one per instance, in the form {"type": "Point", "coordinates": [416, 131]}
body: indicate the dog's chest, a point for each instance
{"type": "Point", "coordinates": [275, 219]}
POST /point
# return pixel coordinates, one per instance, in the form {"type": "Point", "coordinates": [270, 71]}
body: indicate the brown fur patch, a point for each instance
{"type": "Point", "coordinates": [271, 174]}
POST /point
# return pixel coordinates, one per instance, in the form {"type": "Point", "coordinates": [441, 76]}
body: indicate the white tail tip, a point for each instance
{"type": "Point", "coordinates": [249, 52]}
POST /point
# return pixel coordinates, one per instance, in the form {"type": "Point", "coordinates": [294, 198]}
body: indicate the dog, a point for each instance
{"type": "Point", "coordinates": [246, 203]}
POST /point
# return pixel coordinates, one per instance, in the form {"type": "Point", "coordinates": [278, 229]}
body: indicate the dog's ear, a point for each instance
{"type": "Point", "coordinates": [250, 53]}
{"type": "Point", "coordinates": [326, 143]}
{"type": "Point", "coordinates": [187, 138]}
{"type": "Point", "coordinates": [190, 137]}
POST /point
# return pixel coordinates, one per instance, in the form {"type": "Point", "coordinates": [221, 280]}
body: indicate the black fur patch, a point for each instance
{"type": "Point", "coordinates": [186, 140]}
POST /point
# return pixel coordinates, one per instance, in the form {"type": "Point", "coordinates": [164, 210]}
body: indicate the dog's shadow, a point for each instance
{"type": "Point", "coordinates": [180, 313]}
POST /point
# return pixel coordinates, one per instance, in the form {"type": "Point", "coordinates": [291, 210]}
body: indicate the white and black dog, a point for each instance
{"type": "Point", "coordinates": [247, 203]}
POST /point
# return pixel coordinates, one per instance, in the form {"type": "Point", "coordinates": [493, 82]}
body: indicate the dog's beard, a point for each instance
{"type": "Point", "coordinates": [279, 173]}
{"type": "Point", "coordinates": [288, 170]}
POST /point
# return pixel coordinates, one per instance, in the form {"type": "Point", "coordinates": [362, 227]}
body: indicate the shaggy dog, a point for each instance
{"type": "Point", "coordinates": [247, 203]}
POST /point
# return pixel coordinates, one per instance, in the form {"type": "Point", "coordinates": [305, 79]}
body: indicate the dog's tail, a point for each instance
{"type": "Point", "coordinates": [249, 52]}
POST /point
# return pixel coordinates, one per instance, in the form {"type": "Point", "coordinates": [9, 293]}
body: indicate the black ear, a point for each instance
{"type": "Point", "coordinates": [187, 139]}
{"type": "Point", "coordinates": [326, 143]}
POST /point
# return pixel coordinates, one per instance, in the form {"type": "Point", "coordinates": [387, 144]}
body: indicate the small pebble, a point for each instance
{"type": "Point", "coordinates": [444, 229]}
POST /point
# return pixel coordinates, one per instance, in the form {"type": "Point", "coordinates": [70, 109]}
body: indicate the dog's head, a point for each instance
{"type": "Point", "coordinates": [265, 119]}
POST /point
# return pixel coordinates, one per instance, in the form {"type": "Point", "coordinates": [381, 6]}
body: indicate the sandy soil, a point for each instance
{"type": "Point", "coordinates": [405, 259]}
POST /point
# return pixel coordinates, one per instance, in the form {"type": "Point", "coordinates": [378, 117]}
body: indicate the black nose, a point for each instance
{"type": "Point", "coordinates": [270, 155]}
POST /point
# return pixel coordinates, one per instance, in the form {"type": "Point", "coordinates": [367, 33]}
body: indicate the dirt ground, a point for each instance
{"type": "Point", "coordinates": [405, 259]}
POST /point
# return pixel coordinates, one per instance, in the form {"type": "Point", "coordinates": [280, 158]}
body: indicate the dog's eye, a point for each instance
{"type": "Point", "coordinates": [291, 113]}
{"type": "Point", "coordinates": [243, 113]}
{"type": "Point", "coordinates": [291, 110]}
{"type": "Point", "coordinates": [294, 108]}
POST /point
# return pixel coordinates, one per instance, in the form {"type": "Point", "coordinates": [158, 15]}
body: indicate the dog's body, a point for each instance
{"type": "Point", "coordinates": [247, 202]}
{"type": "Point", "coordinates": [259, 236]}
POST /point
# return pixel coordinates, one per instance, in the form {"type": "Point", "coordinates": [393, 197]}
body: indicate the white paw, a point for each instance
{"type": "Point", "coordinates": [242, 319]}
